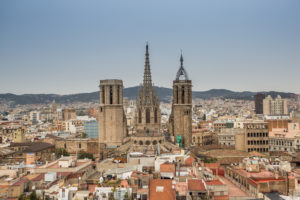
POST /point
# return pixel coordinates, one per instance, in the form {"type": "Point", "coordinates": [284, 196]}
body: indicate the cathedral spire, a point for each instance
{"type": "Point", "coordinates": [181, 73]}
{"type": "Point", "coordinates": [147, 71]}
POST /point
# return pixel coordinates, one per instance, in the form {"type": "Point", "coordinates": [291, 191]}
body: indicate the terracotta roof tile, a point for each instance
{"type": "Point", "coordinates": [161, 189]}
{"type": "Point", "coordinates": [196, 185]}
{"type": "Point", "coordinates": [167, 167]}
{"type": "Point", "coordinates": [214, 182]}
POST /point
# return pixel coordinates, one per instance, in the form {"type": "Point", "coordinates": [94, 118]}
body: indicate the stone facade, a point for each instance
{"type": "Point", "coordinates": [181, 116]}
{"type": "Point", "coordinates": [112, 119]}
{"type": "Point", "coordinates": [255, 137]}
{"type": "Point", "coordinates": [74, 146]}
{"type": "Point", "coordinates": [147, 116]}
{"type": "Point", "coordinates": [227, 136]}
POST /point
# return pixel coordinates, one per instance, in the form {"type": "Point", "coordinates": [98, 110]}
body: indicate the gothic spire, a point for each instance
{"type": "Point", "coordinates": [181, 73]}
{"type": "Point", "coordinates": [147, 71]}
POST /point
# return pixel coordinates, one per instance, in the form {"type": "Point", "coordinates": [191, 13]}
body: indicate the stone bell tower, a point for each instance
{"type": "Point", "coordinates": [112, 119]}
{"type": "Point", "coordinates": [181, 116]}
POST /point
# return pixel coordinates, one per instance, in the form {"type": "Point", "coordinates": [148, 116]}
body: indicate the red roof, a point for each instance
{"type": "Point", "coordinates": [265, 180]}
{"type": "Point", "coordinates": [224, 197]}
{"type": "Point", "coordinates": [161, 189]}
{"type": "Point", "coordinates": [196, 185]}
{"type": "Point", "coordinates": [39, 177]}
{"type": "Point", "coordinates": [214, 182]}
{"type": "Point", "coordinates": [189, 161]}
{"type": "Point", "coordinates": [20, 182]}
{"type": "Point", "coordinates": [212, 165]}
{"type": "Point", "coordinates": [63, 174]}
{"type": "Point", "coordinates": [167, 167]}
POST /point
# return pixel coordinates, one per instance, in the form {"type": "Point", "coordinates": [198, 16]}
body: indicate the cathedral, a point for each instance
{"type": "Point", "coordinates": [147, 116]}
{"type": "Point", "coordinates": [148, 138]}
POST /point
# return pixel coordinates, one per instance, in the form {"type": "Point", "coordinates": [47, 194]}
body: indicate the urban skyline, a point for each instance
{"type": "Point", "coordinates": [67, 47]}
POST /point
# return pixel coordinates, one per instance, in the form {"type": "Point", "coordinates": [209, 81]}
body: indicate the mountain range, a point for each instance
{"type": "Point", "coordinates": [164, 94]}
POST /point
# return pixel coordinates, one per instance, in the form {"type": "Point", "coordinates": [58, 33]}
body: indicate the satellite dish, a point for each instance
{"type": "Point", "coordinates": [101, 179]}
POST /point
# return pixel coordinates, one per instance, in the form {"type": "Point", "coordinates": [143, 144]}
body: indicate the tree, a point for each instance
{"type": "Point", "coordinates": [21, 197]}
{"type": "Point", "coordinates": [61, 151]}
{"type": "Point", "coordinates": [33, 196]}
{"type": "Point", "coordinates": [84, 135]}
{"type": "Point", "coordinates": [83, 155]}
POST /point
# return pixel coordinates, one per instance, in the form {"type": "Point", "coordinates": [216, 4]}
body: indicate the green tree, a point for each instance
{"type": "Point", "coordinates": [33, 196]}
{"type": "Point", "coordinates": [61, 151]}
{"type": "Point", "coordinates": [83, 155]}
{"type": "Point", "coordinates": [84, 135]}
{"type": "Point", "coordinates": [21, 197]}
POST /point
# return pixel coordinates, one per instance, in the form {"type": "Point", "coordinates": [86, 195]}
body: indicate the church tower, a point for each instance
{"type": "Point", "coordinates": [112, 120]}
{"type": "Point", "coordinates": [147, 115]}
{"type": "Point", "coordinates": [181, 117]}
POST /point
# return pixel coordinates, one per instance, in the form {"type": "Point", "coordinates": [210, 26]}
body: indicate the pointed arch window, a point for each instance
{"type": "Point", "coordinates": [110, 95]}
{"type": "Point", "coordinates": [103, 95]}
{"type": "Point", "coordinates": [176, 94]}
{"type": "Point", "coordinates": [155, 115]}
{"type": "Point", "coordinates": [140, 116]}
{"type": "Point", "coordinates": [182, 95]}
{"type": "Point", "coordinates": [147, 115]}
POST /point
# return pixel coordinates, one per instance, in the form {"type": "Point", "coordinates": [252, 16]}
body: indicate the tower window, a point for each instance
{"type": "Point", "coordinates": [147, 115]}
{"type": "Point", "coordinates": [189, 95]}
{"type": "Point", "coordinates": [118, 95]}
{"type": "Point", "coordinates": [140, 116]}
{"type": "Point", "coordinates": [182, 95]}
{"type": "Point", "coordinates": [155, 115]}
{"type": "Point", "coordinates": [110, 95]}
{"type": "Point", "coordinates": [176, 94]}
{"type": "Point", "coordinates": [103, 97]}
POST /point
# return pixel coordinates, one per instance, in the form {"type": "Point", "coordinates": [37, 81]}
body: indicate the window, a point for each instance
{"type": "Point", "coordinates": [103, 93]}
{"type": "Point", "coordinates": [118, 95]}
{"type": "Point", "coordinates": [176, 94]}
{"type": "Point", "coordinates": [155, 115]}
{"type": "Point", "coordinates": [79, 145]}
{"type": "Point", "coordinates": [140, 116]}
{"type": "Point", "coordinates": [182, 94]}
{"type": "Point", "coordinates": [65, 145]}
{"type": "Point", "coordinates": [110, 95]}
{"type": "Point", "coordinates": [147, 115]}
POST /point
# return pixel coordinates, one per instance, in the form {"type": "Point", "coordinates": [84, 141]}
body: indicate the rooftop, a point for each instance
{"type": "Point", "coordinates": [161, 189]}
{"type": "Point", "coordinates": [196, 185]}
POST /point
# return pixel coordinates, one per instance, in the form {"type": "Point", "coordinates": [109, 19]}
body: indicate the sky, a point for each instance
{"type": "Point", "coordinates": [68, 46]}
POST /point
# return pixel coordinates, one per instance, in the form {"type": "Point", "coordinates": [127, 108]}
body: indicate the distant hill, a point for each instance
{"type": "Point", "coordinates": [165, 95]}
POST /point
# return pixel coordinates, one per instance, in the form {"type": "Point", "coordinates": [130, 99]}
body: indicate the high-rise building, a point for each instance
{"type": "Point", "coordinates": [147, 116]}
{"type": "Point", "coordinates": [35, 116]}
{"type": "Point", "coordinates": [258, 98]}
{"type": "Point", "coordinates": [277, 106]}
{"type": "Point", "coordinates": [181, 116]}
{"type": "Point", "coordinates": [112, 119]}
{"type": "Point", "coordinates": [91, 128]}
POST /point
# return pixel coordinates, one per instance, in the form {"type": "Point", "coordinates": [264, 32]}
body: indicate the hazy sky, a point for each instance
{"type": "Point", "coordinates": [67, 46]}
